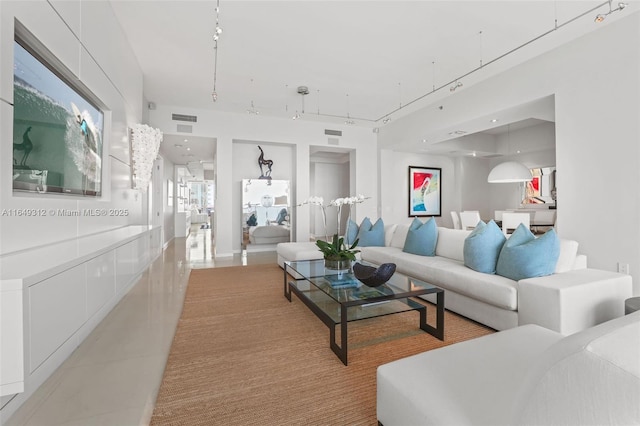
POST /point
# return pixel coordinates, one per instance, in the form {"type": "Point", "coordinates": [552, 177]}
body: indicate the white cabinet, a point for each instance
{"type": "Point", "coordinates": [182, 224]}
{"type": "Point", "coordinates": [11, 342]}
{"type": "Point", "coordinates": [101, 282]}
{"type": "Point", "coordinates": [48, 307]}
{"type": "Point", "coordinates": [56, 311]}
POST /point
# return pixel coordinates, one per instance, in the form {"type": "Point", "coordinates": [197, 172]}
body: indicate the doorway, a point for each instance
{"type": "Point", "coordinates": [330, 177]}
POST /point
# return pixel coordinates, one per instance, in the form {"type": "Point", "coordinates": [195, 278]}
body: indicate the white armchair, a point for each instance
{"type": "Point", "coordinates": [525, 375]}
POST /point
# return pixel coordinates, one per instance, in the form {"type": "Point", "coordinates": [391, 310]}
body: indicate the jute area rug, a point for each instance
{"type": "Point", "coordinates": [244, 355]}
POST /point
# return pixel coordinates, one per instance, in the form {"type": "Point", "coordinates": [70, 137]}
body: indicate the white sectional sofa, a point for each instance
{"type": "Point", "coordinates": [572, 299]}
{"type": "Point", "coordinates": [528, 375]}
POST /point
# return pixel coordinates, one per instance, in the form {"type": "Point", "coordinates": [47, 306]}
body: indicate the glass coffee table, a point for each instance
{"type": "Point", "coordinates": [338, 298]}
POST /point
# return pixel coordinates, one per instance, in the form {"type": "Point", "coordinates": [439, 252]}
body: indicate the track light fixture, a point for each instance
{"type": "Point", "coordinates": [216, 36]}
{"type": "Point", "coordinates": [602, 16]}
{"type": "Point", "coordinates": [455, 86]}
{"type": "Point", "coordinates": [302, 90]}
{"type": "Point", "coordinates": [252, 110]}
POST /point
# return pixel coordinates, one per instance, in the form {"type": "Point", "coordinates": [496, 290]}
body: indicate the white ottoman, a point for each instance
{"type": "Point", "coordinates": [297, 251]}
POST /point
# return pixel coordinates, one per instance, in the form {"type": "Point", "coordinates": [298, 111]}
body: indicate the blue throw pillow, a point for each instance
{"type": "Point", "coordinates": [371, 235]}
{"type": "Point", "coordinates": [351, 233]}
{"type": "Point", "coordinates": [422, 238]}
{"type": "Point", "coordinates": [482, 247]}
{"type": "Point", "coordinates": [525, 256]}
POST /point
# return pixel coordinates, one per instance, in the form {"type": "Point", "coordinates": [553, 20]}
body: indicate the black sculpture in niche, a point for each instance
{"type": "Point", "coordinates": [263, 162]}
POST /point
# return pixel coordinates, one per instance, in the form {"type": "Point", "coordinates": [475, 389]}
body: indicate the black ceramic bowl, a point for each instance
{"type": "Point", "coordinates": [374, 277]}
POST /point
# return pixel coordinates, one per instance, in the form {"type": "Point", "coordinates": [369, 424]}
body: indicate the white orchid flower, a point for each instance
{"type": "Point", "coordinates": [317, 201]}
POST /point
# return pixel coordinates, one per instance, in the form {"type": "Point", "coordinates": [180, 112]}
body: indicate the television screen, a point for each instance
{"type": "Point", "coordinates": [57, 132]}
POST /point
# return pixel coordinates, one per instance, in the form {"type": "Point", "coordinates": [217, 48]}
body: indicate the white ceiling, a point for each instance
{"type": "Point", "coordinates": [365, 60]}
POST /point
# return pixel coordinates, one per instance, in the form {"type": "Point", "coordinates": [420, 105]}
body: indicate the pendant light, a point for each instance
{"type": "Point", "coordinates": [509, 171]}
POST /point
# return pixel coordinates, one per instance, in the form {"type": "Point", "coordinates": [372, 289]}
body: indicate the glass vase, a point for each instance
{"type": "Point", "coordinates": [338, 264]}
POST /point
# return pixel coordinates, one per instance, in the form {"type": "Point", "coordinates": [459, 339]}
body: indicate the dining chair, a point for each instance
{"type": "Point", "coordinates": [543, 218]}
{"type": "Point", "coordinates": [469, 219]}
{"type": "Point", "coordinates": [456, 220]}
{"type": "Point", "coordinates": [510, 221]}
{"type": "Point", "coordinates": [497, 215]}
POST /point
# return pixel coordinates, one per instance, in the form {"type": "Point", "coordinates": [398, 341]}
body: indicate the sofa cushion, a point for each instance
{"type": "Point", "coordinates": [451, 243]}
{"type": "Point", "coordinates": [482, 247]}
{"type": "Point", "coordinates": [371, 235]}
{"type": "Point", "coordinates": [421, 238]}
{"type": "Point", "coordinates": [525, 256]}
{"type": "Point", "coordinates": [591, 377]}
{"type": "Point", "coordinates": [351, 233]}
{"type": "Point", "coordinates": [399, 236]}
{"type": "Point", "coordinates": [379, 255]}
{"type": "Point", "coordinates": [448, 274]}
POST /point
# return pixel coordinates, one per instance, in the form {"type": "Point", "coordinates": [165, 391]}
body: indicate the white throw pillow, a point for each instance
{"type": "Point", "coordinates": [399, 236]}
{"type": "Point", "coordinates": [451, 243]}
{"type": "Point", "coordinates": [389, 231]}
{"type": "Point", "coordinates": [568, 253]}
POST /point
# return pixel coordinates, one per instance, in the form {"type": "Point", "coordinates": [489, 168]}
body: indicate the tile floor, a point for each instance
{"type": "Point", "coordinates": [113, 377]}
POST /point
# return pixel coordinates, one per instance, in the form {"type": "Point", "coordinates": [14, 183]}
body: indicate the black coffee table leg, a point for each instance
{"type": "Point", "coordinates": [340, 351]}
{"type": "Point", "coordinates": [438, 330]}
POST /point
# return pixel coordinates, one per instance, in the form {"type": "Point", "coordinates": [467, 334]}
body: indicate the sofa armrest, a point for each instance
{"type": "Point", "coordinates": [572, 301]}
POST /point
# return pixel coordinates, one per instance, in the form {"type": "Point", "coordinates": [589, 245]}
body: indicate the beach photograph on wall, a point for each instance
{"type": "Point", "coordinates": [57, 132]}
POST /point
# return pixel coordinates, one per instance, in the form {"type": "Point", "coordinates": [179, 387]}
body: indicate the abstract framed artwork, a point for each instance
{"type": "Point", "coordinates": [425, 196]}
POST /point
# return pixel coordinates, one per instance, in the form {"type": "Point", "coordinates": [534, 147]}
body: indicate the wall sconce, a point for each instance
{"type": "Point", "coordinates": [145, 144]}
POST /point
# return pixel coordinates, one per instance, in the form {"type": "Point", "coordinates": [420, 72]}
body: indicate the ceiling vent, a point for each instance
{"type": "Point", "coordinates": [184, 128]}
{"type": "Point", "coordinates": [333, 132]}
{"type": "Point", "coordinates": [184, 117]}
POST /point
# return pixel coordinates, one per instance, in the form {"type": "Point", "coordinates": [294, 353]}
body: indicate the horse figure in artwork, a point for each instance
{"type": "Point", "coordinates": [263, 162]}
{"type": "Point", "coordinates": [26, 146]}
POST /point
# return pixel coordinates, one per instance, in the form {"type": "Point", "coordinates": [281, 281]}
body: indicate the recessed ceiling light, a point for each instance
{"type": "Point", "coordinates": [188, 149]}
{"type": "Point", "coordinates": [424, 141]}
{"type": "Point", "coordinates": [186, 140]}
{"type": "Point", "coordinates": [495, 120]}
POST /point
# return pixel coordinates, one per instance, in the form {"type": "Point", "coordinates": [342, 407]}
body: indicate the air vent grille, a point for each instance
{"type": "Point", "coordinates": [184, 117]}
{"type": "Point", "coordinates": [333, 132]}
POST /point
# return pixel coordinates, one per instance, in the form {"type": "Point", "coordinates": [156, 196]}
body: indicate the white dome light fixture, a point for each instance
{"type": "Point", "coordinates": [509, 172]}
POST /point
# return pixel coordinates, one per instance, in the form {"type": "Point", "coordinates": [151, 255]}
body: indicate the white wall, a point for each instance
{"type": "Point", "coordinates": [597, 107]}
{"type": "Point", "coordinates": [394, 187]}
{"type": "Point", "coordinates": [299, 135]}
{"type": "Point", "coordinates": [86, 37]}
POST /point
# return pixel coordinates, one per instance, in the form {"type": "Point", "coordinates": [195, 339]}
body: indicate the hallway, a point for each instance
{"type": "Point", "coordinates": [113, 377]}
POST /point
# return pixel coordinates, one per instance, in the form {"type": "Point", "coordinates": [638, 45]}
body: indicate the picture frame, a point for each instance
{"type": "Point", "coordinates": [425, 194]}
